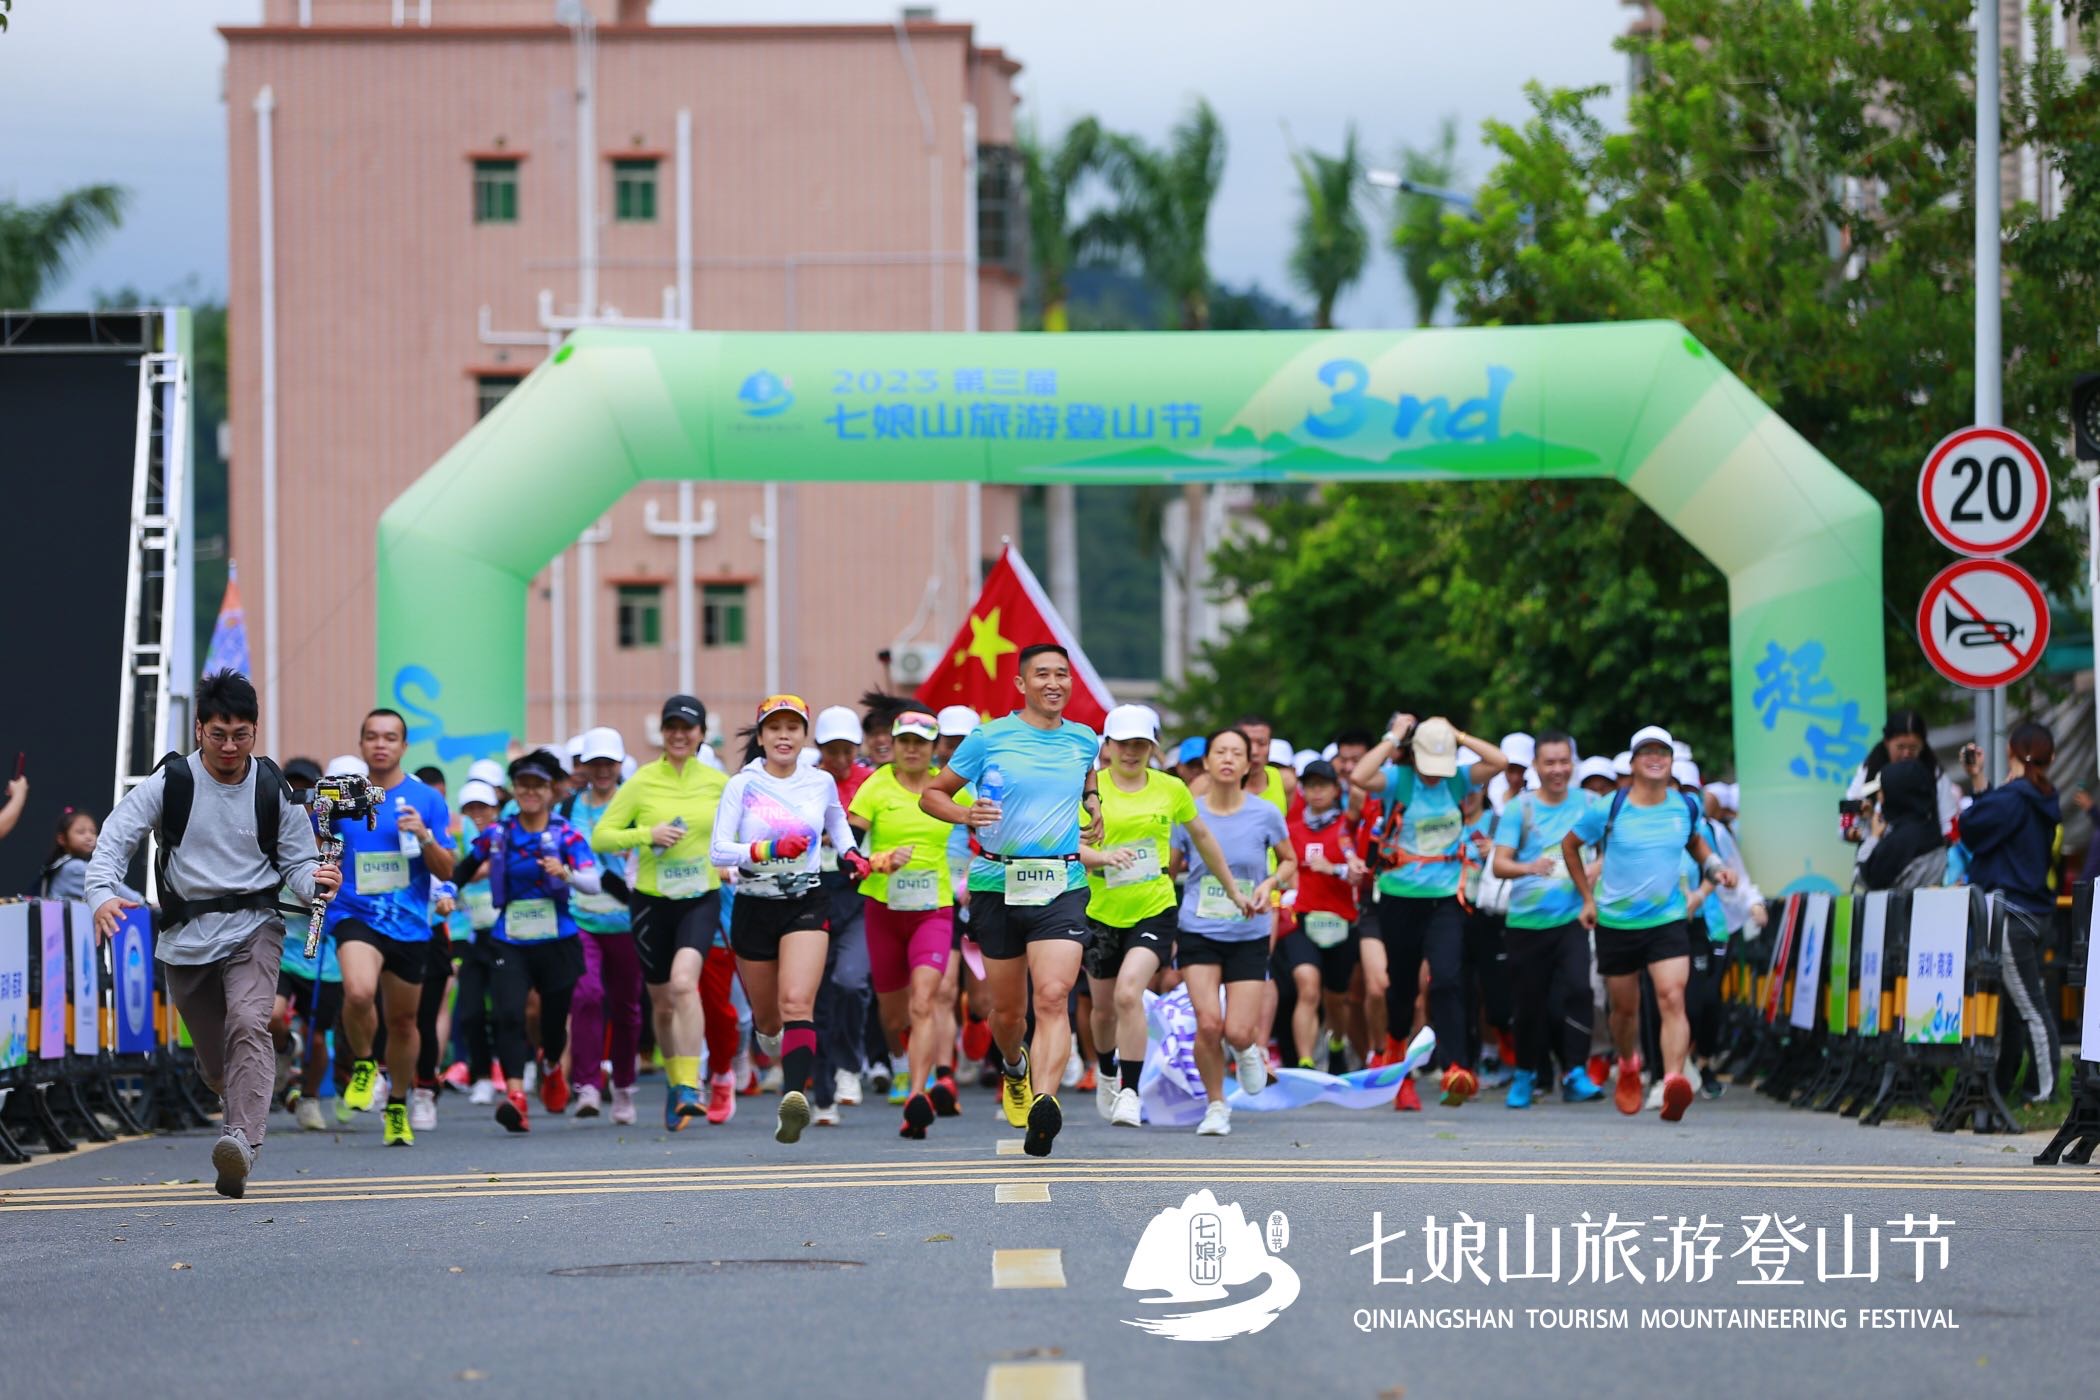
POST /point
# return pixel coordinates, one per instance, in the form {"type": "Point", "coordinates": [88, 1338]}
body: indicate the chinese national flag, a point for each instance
{"type": "Point", "coordinates": [984, 660]}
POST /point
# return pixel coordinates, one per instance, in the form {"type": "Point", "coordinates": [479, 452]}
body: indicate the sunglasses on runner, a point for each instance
{"type": "Point", "coordinates": [918, 723]}
{"type": "Point", "coordinates": [775, 704]}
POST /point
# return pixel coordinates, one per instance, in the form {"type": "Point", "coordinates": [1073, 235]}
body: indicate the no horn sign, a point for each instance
{"type": "Point", "coordinates": [1983, 623]}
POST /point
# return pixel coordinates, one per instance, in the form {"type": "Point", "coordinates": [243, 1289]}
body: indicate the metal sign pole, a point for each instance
{"type": "Point", "coordinates": [1990, 403]}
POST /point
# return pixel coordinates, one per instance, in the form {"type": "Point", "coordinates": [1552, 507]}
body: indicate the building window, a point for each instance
{"type": "Point", "coordinates": [641, 615]}
{"type": "Point", "coordinates": [489, 390]}
{"type": "Point", "coordinates": [722, 615]}
{"type": "Point", "coordinates": [495, 191]}
{"type": "Point", "coordinates": [1001, 208]}
{"type": "Point", "coordinates": [634, 191]}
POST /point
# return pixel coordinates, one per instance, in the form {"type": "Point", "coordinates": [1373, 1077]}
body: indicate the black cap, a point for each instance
{"type": "Point", "coordinates": [684, 709]}
{"type": "Point", "coordinates": [302, 770]}
{"type": "Point", "coordinates": [1319, 771]}
{"type": "Point", "coordinates": [539, 763]}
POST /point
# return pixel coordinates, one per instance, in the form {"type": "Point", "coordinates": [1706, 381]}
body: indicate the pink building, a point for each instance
{"type": "Point", "coordinates": [407, 240]}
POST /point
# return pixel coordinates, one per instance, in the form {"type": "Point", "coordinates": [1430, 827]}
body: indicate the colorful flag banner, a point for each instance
{"type": "Point", "coordinates": [229, 635]}
{"type": "Point", "coordinates": [982, 663]}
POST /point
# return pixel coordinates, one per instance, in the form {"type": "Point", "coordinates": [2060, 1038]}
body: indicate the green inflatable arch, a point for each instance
{"type": "Point", "coordinates": [1640, 402]}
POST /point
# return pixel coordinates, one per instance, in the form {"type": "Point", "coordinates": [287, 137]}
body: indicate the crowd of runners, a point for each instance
{"type": "Point", "coordinates": [900, 903]}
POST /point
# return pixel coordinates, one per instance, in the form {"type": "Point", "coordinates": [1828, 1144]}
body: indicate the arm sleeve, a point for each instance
{"type": "Point", "coordinates": [477, 856]}
{"type": "Point", "coordinates": [121, 837]}
{"type": "Point", "coordinates": [298, 853]}
{"type": "Point", "coordinates": [589, 876]}
{"type": "Point", "coordinates": [723, 847]}
{"type": "Point", "coordinates": [616, 830]}
{"type": "Point", "coordinates": [835, 824]}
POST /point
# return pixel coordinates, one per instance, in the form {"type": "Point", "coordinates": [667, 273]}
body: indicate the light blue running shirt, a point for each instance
{"type": "Point", "coordinates": [1045, 772]}
{"type": "Point", "coordinates": [1532, 828]}
{"type": "Point", "coordinates": [1431, 825]}
{"type": "Point", "coordinates": [1642, 884]}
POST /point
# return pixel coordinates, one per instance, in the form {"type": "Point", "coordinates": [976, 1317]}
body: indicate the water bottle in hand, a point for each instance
{"type": "Point", "coordinates": [409, 845]}
{"type": "Point", "coordinates": [992, 786]}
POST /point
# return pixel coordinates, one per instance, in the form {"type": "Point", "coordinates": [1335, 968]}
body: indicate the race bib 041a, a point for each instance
{"type": "Point", "coordinates": [1030, 884]}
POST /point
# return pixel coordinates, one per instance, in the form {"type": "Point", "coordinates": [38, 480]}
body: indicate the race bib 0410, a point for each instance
{"type": "Point", "coordinates": [1141, 871]}
{"type": "Point", "coordinates": [915, 891]}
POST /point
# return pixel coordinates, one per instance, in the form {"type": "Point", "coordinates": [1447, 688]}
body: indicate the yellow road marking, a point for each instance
{"type": "Point", "coordinates": [1035, 1380]}
{"type": "Point", "coordinates": [81, 1150]}
{"type": "Point", "coordinates": [1007, 1147]}
{"type": "Point", "coordinates": [1028, 1268]}
{"type": "Point", "coordinates": [1008, 1193]}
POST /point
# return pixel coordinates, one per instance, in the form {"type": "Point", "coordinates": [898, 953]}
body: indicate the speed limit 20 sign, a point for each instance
{"type": "Point", "coordinates": [1984, 491]}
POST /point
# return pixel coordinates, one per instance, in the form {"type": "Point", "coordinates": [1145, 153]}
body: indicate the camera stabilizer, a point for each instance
{"type": "Point", "coordinates": [342, 795]}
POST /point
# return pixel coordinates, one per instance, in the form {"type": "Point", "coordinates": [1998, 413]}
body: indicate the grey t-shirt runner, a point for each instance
{"type": "Point", "coordinates": [1246, 837]}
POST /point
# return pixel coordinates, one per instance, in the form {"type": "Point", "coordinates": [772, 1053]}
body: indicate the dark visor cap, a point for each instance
{"type": "Point", "coordinates": [684, 709]}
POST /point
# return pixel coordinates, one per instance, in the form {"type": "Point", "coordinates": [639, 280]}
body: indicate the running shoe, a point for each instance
{"type": "Point", "coordinates": [456, 1076]}
{"type": "Point", "coordinates": [1521, 1085]}
{"type": "Point", "coordinates": [1106, 1091]}
{"type": "Point", "coordinates": [1129, 1112]}
{"type": "Point", "coordinates": [532, 1075]}
{"type": "Point", "coordinates": [398, 1131]}
{"type": "Point", "coordinates": [826, 1115]}
{"type": "Point", "coordinates": [554, 1089]}
{"type": "Point", "coordinates": [589, 1103]}
{"type": "Point", "coordinates": [1600, 1069]}
{"type": "Point", "coordinates": [342, 1112]}
{"type": "Point", "coordinates": [1337, 1055]}
{"type": "Point", "coordinates": [1253, 1070]}
{"type": "Point", "coordinates": [846, 1086]}
{"type": "Point", "coordinates": [232, 1157]}
{"type": "Point", "coordinates": [309, 1117]}
{"type": "Point", "coordinates": [977, 1040]}
{"type": "Point", "coordinates": [364, 1078]}
{"type": "Point", "coordinates": [483, 1093]}
{"type": "Point", "coordinates": [1576, 1086]}
{"type": "Point", "coordinates": [946, 1103]}
{"type": "Point", "coordinates": [1676, 1097]}
{"type": "Point", "coordinates": [1015, 1095]}
{"type": "Point", "coordinates": [793, 1117]}
{"type": "Point", "coordinates": [1654, 1101]}
{"type": "Point", "coordinates": [918, 1116]}
{"type": "Point", "coordinates": [1045, 1118]}
{"type": "Point", "coordinates": [1627, 1092]}
{"type": "Point", "coordinates": [623, 1105]}
{"type": "Point", "coordinates": [1459, 1085]}
{"type": "Point", "coordinates": [681, 1106]}
{"type": "Point", "coordinates": [511, 1112]}
{"type": "Point", "coordinates": [422, 1109]}
{"type": "Point", "coordinates": [1074, 1067]}
{"type": "Point", "coordinates": [721, 1098]}
{"type": "Point", "coordinates": [900, 1088]}
{"type": "Point", "coordinates": [1407, 1100]}
{"type": "Point", "coordinates": [1710, 1084]}
{"type": "Point", "coordinates": [1217, 1120]}
{"type": "Point", "coordinates": [292, 1096]}
{"type": "Point", "coordinates": [771, 1081]}
{"type": "Point", "coordinates": [1088, 1081]}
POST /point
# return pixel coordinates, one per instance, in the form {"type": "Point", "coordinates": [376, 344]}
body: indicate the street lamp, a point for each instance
{"type": "Point", "coordinates": [1393, 180]}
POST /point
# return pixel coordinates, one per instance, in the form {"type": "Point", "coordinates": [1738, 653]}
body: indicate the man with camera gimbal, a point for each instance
{"type": "Point", "coordinates": [227, 835]}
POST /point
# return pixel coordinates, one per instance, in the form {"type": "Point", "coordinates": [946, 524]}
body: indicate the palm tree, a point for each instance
{"type": "Point", "coordinates": [1161, 218]}
{"type": "Point", "coordinates": [1052, 175]}
{"type": "Point", "coordinates": [1161, 221]}
{"type": "Point", "coordinates": [39, 241]}
{"type": "Point", "coordinates": [1333, 243]}
{"type": "Point", "coordinates": [1419, 219]}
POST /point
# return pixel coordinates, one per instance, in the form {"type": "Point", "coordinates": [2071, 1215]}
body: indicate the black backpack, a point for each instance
{"type": "Point", "coordinates": [177, 797]}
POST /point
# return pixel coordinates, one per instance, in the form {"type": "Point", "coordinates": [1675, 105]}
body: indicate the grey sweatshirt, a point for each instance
{"type": "Point", "coordinates": [218, 856]}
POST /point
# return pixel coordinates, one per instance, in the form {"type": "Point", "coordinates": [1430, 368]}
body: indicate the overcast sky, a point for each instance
{"type": "Point", "coordinates": [129, 91]}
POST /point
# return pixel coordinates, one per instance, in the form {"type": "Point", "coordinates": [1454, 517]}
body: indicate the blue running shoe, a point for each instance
{"type": "Point", "coordinates": [1577, 1086]}
{"type": "Point", "coordinates": [1520, 1085]}
{"type": "Point", "coordinates": [681, 1106]}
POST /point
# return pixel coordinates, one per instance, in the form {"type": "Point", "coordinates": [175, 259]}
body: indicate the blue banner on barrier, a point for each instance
{"type": "Point", "coordinates": [87, 1001]}
{"type": "Point", "coordinates": [14, 985]}
{"type": "Point", "coordinates": [51, 998]}
{"type": "Point", "coordinates": [133, 969]}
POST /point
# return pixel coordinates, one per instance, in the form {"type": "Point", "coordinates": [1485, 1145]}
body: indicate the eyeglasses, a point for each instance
{"type": "Point", "coordinates": [223, 739]}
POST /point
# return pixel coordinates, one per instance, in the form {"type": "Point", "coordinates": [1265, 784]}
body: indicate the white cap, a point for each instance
{"type": "Point", "coordinates": [1595, 768]}
{"type": "Point", "coordinates": [1518, 748]}
{"type": "Point", "coordinates": [1531, 780]}
{"type": "Point", "coordinates": [348, 763]}
{"type": "Point", "coordinates": [1681, 750]}
{"type": "Point", "coordinates": [1652, 734]}
{"type": "Point", "coordinates": [705, 753]}
{"type": "Point", "coordinates": [838, 723]}
{"type": "Point", "coordinates": [1436, 748]}
{"type": "Point", "coordinates": [1301, 758]}
{"type": "Point", "coordinates": [1727, 794]}
{"type": "Point", "coordinates": [1330, 751]}
{"type": "Point", "coordinates": [602, 742]}
{"type": "Point", "coordinates": [1685, 774]}
{"type": "Point", "coordinates": [573, 750]}
{"type": "Point", "coordinates": [487, 770]}
{"type": "Point", "coordinates": [807, 758]}
{"type": "Point", "coordinates": [956, 721]}
{"type": "Point", "coordinates": [1622, 764]}
{"type": "Point", "coordinates": [1130, 722]}
{"type": "Point", "coordinates": [475, 790]}
{"type": "Point", "coordinates": [1281, 753]}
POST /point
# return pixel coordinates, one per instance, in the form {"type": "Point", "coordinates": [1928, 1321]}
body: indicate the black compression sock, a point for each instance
{"type": "Point", "coordinates": [1131, 1071]}
{"type": "Point", "coordinates": [944, 1071]}
{"type": "Point", "coordinates": [1107, 1060]}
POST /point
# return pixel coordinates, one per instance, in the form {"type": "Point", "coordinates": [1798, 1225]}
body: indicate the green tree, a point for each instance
{"type": "Point", "coordinates": [1160, 219]}
{"type": "Point", "coordinates": [1053, 175]}
{"type": "Point", "coordinates": [1331, 242]}
{"type": "Point", "coordinates": [1792, 184]}
{"type": "Point", "coordinates": [1418, 219]}
{"type": "Point", "coordinates": [38, 242]}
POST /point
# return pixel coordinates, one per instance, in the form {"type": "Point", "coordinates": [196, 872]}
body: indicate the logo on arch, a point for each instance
{"type": "Point", "coordinates": [1207, 1252]}
{"type": "Point", "coordinates": [765, 395]}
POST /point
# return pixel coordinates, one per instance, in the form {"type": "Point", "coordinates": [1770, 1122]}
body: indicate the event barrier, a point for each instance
{"type": "Point", "coordinates": [2079, 1134]}
{"type": "Point", "coordinates": [88, 1043]}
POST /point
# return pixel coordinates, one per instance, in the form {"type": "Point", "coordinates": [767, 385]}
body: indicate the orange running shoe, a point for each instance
{"type": "Point", "coordinates": [1407, 1100]}
{"type": "Point", "coordinates": [511, 1112]}
{"type": "Point", "coordinates": [1086, 1081]}
{"type": "Point", "coordinates": [554, 1089]}
{"type": "Point", "coordinates": [1600, 1069]}
{"type": "Point", "coordinates": [1459, 1085]}
{"type": "Point", "coordinates": [1627, 1093]}
{"type": "Point", "coordinates": [977, 1039]}
{"type": "Point", "coordinates": [721, 1098]}
{"type": "Point", "coordinates": [1677, 1097]}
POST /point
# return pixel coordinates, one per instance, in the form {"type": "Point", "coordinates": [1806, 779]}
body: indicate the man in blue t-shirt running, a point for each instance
{"type": "Point", "coordinates": [1638, 908]}
{"type": "Point", "coordinates": [1037, 798]}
